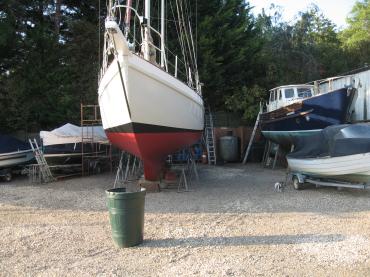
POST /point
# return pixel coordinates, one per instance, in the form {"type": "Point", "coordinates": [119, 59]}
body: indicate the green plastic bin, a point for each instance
{"type": "Point", "coordinates": [126, 216]}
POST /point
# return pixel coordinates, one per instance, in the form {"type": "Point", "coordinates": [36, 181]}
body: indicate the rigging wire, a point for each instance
{"type": "Point", "coordinates": [196, 31]}
{"type": "Point", "coordinates": [177, 26]}
{"type": "Point", "coordinates": [184, 13]}
{"type": "Point", "coordinates": [99, 37]}
{"type": "Point", "coordinates": [183, 35]}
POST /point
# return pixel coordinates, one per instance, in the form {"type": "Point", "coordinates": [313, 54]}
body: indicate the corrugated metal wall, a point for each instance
{"type": "Point", "coordinates": [361, 81]}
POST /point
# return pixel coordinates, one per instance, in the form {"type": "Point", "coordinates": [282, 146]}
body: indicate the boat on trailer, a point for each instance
{"type": "Point", "coordinates": [340, 153]}
{"type": "Point", "coordinates": [63, 145]}
{"type": "Point", "coordinates": [13, 154]}
{"type": "Point", "coordinates": [15, 158]}
{"type": "Point", "coordinates": [146, 108]}
{"type": "Point", "coordinates": [296, 110]}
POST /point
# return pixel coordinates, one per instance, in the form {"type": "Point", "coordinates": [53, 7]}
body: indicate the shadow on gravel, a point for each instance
{"type": "Point", "coordinates": [243, 240]}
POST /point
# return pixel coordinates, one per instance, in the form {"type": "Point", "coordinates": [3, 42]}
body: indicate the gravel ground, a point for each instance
{"type": "Point", "coordinates": [232, 223]}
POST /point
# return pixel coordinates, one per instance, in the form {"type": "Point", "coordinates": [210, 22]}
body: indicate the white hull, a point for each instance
{"type": "Point", "coordinates": [145, 110]}
{"type": "Point", "coordinates": [15, 158]}
{"type": "Point", "coordinates": [353, 168]}
{"type": "Point", "coordinates": [153, 96]}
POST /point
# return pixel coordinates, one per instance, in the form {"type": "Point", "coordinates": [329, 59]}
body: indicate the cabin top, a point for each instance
{"type": "Point", "coordinates": [286, 95]}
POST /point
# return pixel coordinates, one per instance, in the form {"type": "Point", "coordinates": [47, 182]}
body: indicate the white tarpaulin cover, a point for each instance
{"type": "Point", "coordinates": [70, 133]}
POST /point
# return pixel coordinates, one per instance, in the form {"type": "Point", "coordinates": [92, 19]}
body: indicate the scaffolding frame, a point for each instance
{"type": "Point", "coordinates": [90, 118]}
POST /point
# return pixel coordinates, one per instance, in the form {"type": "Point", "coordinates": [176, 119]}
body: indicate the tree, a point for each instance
{"type": "Point", "coordinates": [317, 45]}
{"type": "Point", "coordinates": [227, 42]}
{"type": "Point", "coordinates": [49, 63]}
{"type": "Point", "coordinates": [356, 38]}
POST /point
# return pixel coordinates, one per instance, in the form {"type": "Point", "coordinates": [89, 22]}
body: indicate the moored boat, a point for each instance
{"type": "Point", "coordinates": [145, 108]}
{"type": "Point", "coordinates": [339, 152]}
{"type": "Point", "coordinates": [295, 111]}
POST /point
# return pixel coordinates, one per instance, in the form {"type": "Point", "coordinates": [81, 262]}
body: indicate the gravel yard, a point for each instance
{"type": "Point", "coordinates": [232, 223]}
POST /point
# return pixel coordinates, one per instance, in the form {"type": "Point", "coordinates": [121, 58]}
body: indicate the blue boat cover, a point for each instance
{"type": "Point", "coordinates": [333, 141]}
{"type": "Point", "coordinates": [10, 144]}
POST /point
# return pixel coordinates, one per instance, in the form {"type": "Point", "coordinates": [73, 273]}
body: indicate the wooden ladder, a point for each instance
{"type": "Point", "coordinates": [209, 137]}
{"type": "Point", "coordinates": [45, 172]}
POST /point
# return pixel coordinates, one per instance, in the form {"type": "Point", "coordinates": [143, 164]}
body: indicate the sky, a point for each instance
{"type": "Point", "coordinates": [335, 10]}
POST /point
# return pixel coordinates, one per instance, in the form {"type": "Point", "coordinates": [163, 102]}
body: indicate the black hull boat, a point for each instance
{"type": "Point", "coordinates": [305, 115]}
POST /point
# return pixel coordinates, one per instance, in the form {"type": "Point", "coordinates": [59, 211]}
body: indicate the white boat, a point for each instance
{"type": "Point", "coordinates": [14, 152]}
{"type": "Point", "coordinates": [339, 153]}
{"type": "Point", "coordinates": [145, 109]}
{"type": "Point", "coordinates": [63, 145]}
{"type": "Point", "coordinates": [351, 168]}
{"type": "Point", "coordinates": [15, 158]}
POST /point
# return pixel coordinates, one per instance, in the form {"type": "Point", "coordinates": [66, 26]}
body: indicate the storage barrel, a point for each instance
{"type": "Point", "coordinates": [228, 148]}
{"type": "Point", "coordinates": [126, 216]}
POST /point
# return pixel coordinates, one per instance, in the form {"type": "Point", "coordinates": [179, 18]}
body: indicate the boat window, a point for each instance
{"type": "Point", "coordinates": [280, 95]}
{"type": "Point", "coordinates": [304, 92]}
{"type": "Point", "coordinates": [272, 97]}
{"type": "Point", "coordinates": [289, 93]}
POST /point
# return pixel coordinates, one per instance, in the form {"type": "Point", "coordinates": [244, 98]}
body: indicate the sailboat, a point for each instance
{"type": "Point", "coordinates": [147, 109]}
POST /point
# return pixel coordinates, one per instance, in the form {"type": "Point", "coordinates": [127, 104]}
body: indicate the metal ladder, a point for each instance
{"type": "Point", "coordinates": [253, 135]}
{"type": "Point", "coordinates": [209, 137]}
{"type": "Point", "coordinates": [44, 169]}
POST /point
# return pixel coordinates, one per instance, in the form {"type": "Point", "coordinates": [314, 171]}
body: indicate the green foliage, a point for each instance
{"type": "Point", "coordinates": [358, 32]}
{"type": "Point", "coordinates": [247, 100]}
{"type": "Point", "coordinates": [226, 42]}
{"type": "Point", "coordinates": [47, 69]}
{"type": "Point", "coordinates": [356, 38]}
{"type": "Point", "coordinates": [46, 73]}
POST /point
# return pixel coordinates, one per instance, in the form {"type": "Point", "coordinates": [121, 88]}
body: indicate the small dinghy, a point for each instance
{"type": "Point", "coordinates": [340, 152]}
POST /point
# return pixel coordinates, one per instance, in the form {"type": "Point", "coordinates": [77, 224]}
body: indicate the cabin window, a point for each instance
{"type": "Point", "coordinates": [304, 92]}
{"type": "Point", "coordinates": [289, 93]}
{"type": "Point", "coordinates": [280, 95]}
{"type": "Point", "coordinates": [272, 97]}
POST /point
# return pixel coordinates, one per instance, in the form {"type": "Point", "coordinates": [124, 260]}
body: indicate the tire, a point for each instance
{"type": "Point", "coordinates": [8, 177]}
{"type": "Point", "coordinates": [296, 184]}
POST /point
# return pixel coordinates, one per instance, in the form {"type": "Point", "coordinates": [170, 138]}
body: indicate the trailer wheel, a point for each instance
{"type": "Point", "coordinates": [8, 177]}
{"type": "Point", "coordinates": [296, 184]}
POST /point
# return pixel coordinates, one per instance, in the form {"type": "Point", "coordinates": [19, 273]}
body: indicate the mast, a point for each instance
{"type": "Point", "coordinates": [128, 17]}
{"type": "Point", "coordinates": [162, 33]}
{"type": "Point", "coordinates": [147, 37]}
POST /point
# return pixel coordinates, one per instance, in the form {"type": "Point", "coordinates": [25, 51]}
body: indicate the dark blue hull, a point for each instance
{"type": "Point", "coordinates": [312, 114]}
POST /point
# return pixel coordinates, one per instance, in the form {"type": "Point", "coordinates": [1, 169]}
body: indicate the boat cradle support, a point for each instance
{"type": "Point", "coordinates": [303, 178]}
